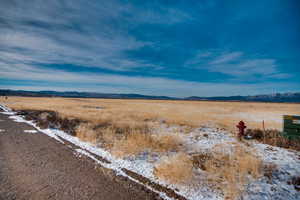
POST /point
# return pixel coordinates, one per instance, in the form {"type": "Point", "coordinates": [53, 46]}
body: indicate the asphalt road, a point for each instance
{"type": "Point", "coordinates": [34, 166]}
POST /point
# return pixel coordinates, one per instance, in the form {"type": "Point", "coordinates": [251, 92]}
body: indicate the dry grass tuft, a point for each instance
{"type": "Point", "coordinates": [175, 169]}
{"type": "Point", "coordinates": [232, 168]}
{"type": "Point", "coordinates": [136, 142]}
{"type": "Point", "coordinates": [200, 159]}
{"type": "Point", "coordinates": [269, 170]}
{"type": "Point", "coordinates": [166, 143]}
{"type": "Point", "coordinates": [86, 132]}
{"type": "Point", "coordinates": [132, 144]}
{"type": "Point", "coordinates": [108, 137]}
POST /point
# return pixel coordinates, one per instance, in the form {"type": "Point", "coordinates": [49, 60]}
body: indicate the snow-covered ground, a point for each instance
{"type": "Point", "coordinates": [199, 140]}
{"type": "Point", "coordinates": [30, 131]}
{"type": "Point", "coordinates": [288, 165]}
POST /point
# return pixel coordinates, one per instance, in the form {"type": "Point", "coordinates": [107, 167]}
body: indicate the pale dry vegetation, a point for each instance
{"type": "Point", "coordinates": [230, 167]}
{"type": "Point", "coordinates": [135, 143]}
{"type": "Point", "coordinates": [233, 168]}
{"type": "Point", "coordinates": [190, 113]}
{"type": "Point", "coordinates": [86, 133]}
{"type": "Point", "coordinates": [175, 169]}
{"type": "Point", "coordinates": [227, 167]}
{"type": "Point", "coordinates": [123, 141]}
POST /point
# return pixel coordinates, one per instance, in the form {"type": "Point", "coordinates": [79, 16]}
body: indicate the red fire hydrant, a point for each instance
{"type": "Point", "coordinates": [241, 126]}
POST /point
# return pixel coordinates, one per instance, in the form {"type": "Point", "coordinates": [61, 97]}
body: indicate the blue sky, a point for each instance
{"type": "Point", "coordinates": [171, 47]}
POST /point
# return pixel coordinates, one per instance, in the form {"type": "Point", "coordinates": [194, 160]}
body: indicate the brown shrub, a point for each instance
{"type": "Point", "coordinates": [175, 169]}
{"type": "Point", "coordinates": [166, 143]}
{"type": "Point", "coordinates": [296, 182]}
{"type": "Point", "coordinates": [49, 119]}
{"type": "Point", "coordinates": [257, 134]}
{"type": "Point", "coordinates": [275, 138]}
{"type": "Point", "coordinates": [200, 159]}
{"type": "Point", "coordinates": [127, 127]}
{"type": "Point", "coordinates": [269, 170]}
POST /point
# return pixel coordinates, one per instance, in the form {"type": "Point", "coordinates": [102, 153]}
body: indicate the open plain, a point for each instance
{"type": "Point", "coordinates": [190, 113]}
{"type": "Point", "coordinates": [189, 148]}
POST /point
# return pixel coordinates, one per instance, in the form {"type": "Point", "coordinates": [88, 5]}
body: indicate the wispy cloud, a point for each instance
{"type": "Point", "coordinates": [247, 67]}
{"type": "Point", "coordinates": [226, 58]}
{"type": "Point", "coordinates": [80, 33]}
{"type": "Point", "coordinates": [236, 64]}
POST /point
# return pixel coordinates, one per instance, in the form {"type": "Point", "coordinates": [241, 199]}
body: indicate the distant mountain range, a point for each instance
{"type": "Point", "coordinates": [277, 97]}
{"type": "Point", "coordinates": [78, 95]}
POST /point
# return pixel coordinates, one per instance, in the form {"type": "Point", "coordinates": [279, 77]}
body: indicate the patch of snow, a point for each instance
{"type": "Point", "coordinates": [48, 132]}
{"type": "Point", "coordinates": [30, 131]}
{"type": "Point", "coordinates": [17, 119]}
{"type": "Point", "coordinates": [6, 111]}
{"type": "Point", "coordinates": [288, 166]}
{"type": "Point", "coordinates": [2, 130]}
{"type": "Point", "coordinates": [203, 139]}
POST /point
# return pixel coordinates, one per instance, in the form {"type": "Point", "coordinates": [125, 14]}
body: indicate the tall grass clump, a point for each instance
{"type": "Point", "coordinates": [231, 167]}
{"type": "Point", "coordinates": [86, 132]}
{"type": "Point", "coordinates": [136, 142]}
{"type": "Point", "coordinates": [175, 169]}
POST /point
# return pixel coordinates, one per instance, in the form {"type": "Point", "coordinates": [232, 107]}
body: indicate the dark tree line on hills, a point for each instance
{"type": "Point", "coordinates": [277, 97]}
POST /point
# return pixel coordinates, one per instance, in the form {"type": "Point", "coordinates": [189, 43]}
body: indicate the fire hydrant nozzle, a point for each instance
{"type": "Point", "coordinates": [241, 126]}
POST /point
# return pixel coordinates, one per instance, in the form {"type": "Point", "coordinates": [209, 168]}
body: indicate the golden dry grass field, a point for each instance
{"type": "Point", "coordinates": [190, 113]}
